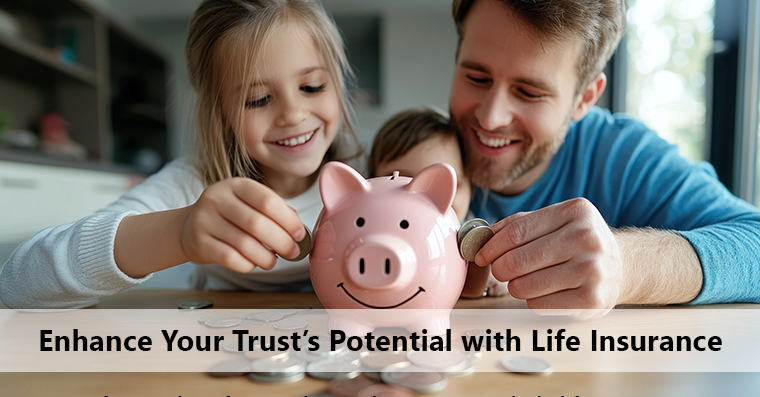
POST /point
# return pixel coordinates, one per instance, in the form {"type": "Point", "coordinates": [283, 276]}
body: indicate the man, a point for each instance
{"type": "Point", "coordinates": [593, 210]}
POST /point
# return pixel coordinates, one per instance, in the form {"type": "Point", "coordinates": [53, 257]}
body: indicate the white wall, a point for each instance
{"type": "Point", "coordinates": [417, 63]}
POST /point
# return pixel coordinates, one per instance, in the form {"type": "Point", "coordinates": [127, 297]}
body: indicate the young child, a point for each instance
{"type": "Point", "coordinates": [271, 109]}
{"type": "Point", "coordinates": [414, 139]}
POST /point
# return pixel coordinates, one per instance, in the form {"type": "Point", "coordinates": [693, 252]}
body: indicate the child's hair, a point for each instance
{"type": "Point", "coordinates": [405, 130]}
{"type": "Point", "coordinates": [246, 26]}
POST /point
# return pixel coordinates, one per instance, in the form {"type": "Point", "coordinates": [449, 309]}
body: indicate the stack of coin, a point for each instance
{"type": "Point", "coordinates": [472, 236]}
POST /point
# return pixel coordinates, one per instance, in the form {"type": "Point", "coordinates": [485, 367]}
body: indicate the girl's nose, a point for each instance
{"type": "Point", "coordinates": [495, 111]}
{"type": "Point", "coordinates": [292, 113]}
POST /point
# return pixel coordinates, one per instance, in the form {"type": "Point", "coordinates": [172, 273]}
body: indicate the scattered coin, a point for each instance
{"type": "Point", "coordinates": [415, 378]}
{"type": "Point", "coordinates": [469, 369]}
{"type": "Point", "coordinates": [223, 323]}
{"type": "Point", "coordinates": [268, 316]}
{"type": "Point", "coordinates": [349, 387]}
{"type": "Point", "coordinates": [195, 304]}
{"type": "Point", "coordinates": [304, 246]}
{"type": "Point", "coordinates": [234, 367]}
{"type": "Point", "coordinates": [258, 354]}
{"type": "Point", "coordinates": [384, 391]}
{"type": "Point", "coordinates": [526, 365]}
{"type": "Point", "coordinates": [474, 240]}
{"type": "Point", "coordinates": [284, 377]}
{"type": "Point", "coordinates": [376, 361]}
{"type": "Point", "coordinates": [444, 361]}
{"type": "Point", "coordinates": [469, 225]}
{"type": "Point", "coordinates": [210, 317]}
{"type": "Point", "coordinates": [269, 366]}
{"type": "Point", "coordinates": [334, 369]}
{"type": "Point", "coordinates": [324, 349]}
{"type": "Point", "coordinates": [291, 324]}
{"type": "Point", "coordinates": [232, 347]}
{"type": "Point", "coordinates": [251, 322]}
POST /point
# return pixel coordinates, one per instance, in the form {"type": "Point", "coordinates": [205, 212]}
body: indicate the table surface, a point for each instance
{"type": "Point", "coordinates": [478, 384]}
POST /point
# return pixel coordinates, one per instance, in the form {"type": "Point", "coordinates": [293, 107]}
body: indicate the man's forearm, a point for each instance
{"type": "Point", "coordinates": [661, 267]}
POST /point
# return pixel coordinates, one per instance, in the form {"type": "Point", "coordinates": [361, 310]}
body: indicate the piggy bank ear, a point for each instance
{"type": "Point", "coordinates": [438, 182]}
{"type": "Point", "coordinates": [336, 180]}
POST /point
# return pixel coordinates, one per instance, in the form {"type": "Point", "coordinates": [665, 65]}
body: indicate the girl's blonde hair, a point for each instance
{"type": "Point", "coordinates": [246, 26]}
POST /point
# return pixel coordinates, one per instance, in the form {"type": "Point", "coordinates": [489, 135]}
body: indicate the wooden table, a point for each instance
{"type": "Point", "coordinates": [478, 384]}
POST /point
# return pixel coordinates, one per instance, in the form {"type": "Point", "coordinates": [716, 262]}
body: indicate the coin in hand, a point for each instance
{"type": "Point", "coordinates": [304, 246]}
{"type": "Point", "coordinates": [474, 240]}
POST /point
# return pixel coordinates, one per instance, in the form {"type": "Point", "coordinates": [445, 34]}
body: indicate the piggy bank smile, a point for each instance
{"type": "Point", "coordinates": [340, 285]}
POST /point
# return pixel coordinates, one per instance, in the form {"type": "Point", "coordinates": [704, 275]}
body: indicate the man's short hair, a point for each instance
{"type": "Point", "coordinates": [599, 24]}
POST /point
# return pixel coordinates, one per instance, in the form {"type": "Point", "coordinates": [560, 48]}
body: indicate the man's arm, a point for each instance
{"type": "Point", "coordinates": [661, 267]}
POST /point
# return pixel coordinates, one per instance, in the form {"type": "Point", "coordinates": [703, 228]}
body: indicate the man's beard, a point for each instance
{"type": "Point", "coordinates": [490, 173]}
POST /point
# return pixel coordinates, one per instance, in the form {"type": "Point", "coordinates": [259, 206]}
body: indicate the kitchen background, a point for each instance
{"type": "Point", "coordinates": [94, 93]}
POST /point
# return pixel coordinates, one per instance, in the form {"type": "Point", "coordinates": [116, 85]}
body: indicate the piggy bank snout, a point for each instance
{"type": "Point", "coordinates": [381, 262]}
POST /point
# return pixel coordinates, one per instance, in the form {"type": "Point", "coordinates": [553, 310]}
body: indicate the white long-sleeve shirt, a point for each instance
{"type": "Point", "coordinates": [73, 266]}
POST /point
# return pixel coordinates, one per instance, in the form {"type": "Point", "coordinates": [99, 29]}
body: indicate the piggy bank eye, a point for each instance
{"type": "Point", "coordinates": [360, 222]}
{"type": "Point", "coordinates": [404, 224]}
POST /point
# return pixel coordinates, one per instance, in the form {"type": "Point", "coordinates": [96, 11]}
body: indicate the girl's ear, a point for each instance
{"type": "Point", "coordinates": [336, 181]}
{"type": "Point", "coordinates": [438, 182]}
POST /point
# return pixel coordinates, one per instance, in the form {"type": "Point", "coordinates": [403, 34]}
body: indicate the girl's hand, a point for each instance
{"type": "Point", "coordinates": [240, 224]}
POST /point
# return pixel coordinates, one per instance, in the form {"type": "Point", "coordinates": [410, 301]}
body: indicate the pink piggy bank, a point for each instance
{"type": "Point", "coordinates": [387, 243]}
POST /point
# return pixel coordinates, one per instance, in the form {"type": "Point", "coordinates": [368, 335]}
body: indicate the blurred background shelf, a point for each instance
{"type": "Point", "coordinates": [36, 65]}
{"type": "Point", "coordinates": [109, 85]}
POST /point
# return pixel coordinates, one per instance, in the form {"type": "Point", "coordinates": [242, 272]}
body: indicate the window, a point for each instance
{"type": "Point", "coordinates": [668, 42]}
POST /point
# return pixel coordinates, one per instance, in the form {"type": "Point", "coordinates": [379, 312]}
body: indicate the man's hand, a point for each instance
{"type": "Point", "coordinates": [564, 256]}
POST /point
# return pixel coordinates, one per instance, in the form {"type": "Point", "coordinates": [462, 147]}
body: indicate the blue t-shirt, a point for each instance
{"type": "Point", "coordinates": [636, 179]}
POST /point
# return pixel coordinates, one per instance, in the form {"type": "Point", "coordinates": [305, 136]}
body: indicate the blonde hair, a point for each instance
{"type": "Point", "coordinates": [405, 130]}
{"type": "Point", "coordinates": [247, 25]}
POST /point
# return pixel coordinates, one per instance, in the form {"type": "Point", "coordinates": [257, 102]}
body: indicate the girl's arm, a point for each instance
{"type": "Point", "coordinates": [72, 265]}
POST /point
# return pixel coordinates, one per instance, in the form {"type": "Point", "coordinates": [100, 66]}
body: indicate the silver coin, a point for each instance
{"type": "Point", "coordinates": [414, 378]}
{"type": "Point", "coordinates": [324, 349]}
{"type": "Point", "coordinates": [444, 361]}
{"type": "Point", "coordinates": [304, 247]}
{"type": "Point", "coordinates": [474, 240]}
{"type": "Point", "coordinates": [234, 367]}
{"type": "Point", "coordinates": [210, 317]}
{"type": "Point", "coordinates": [376, 361]}
{"type": "Point", "coordinates": [277, 378]}
{"type": "Point", "coordinates": [288, 312]}
{"type": "Point", "coordinates": [468, 369]}
{"type": "Point", "coordinates": [333, 369]}
{"type": "Point", "coordinates": [256, 353]}
{"type": "Point", "coordinates": [268, 316]}
{"type": "Point", "coordinates": [232, 347]}
{"type": "Point", "coordinates": [525, 365]}
{"type": "Point", "coordinates": [196, 304]}
{"type": "Point", "coordinates": [469, 225]}
{"type": "Point", "coordinates": [291, 324]}
{"type": "Point", "coordinates": [251, 322]}
{"type": "Point", "coordinates": [223, 323]}
{"type": "Point", "coordinates": [273, 365]}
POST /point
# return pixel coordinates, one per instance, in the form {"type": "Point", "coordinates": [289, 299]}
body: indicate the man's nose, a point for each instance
{"type": "Point", "coordinates": [496, 109]}
{"type": "Point", "coordinates": [292, 112]}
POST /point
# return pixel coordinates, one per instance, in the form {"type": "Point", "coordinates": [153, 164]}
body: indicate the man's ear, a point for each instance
{"type": "Point", "coordinates": [589, 96]}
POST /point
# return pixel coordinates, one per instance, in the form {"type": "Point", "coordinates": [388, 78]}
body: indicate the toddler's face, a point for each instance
{"type": "Point", "coordinates": [438, 149]}
{"type": "Point", "coordinates": [291, 112]}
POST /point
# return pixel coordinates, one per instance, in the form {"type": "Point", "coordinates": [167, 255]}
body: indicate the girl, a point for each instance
{"type": "Point", "coordinates": [271, 109]}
